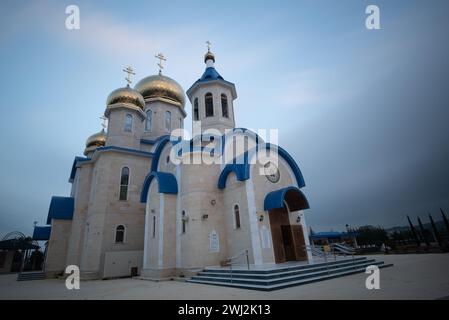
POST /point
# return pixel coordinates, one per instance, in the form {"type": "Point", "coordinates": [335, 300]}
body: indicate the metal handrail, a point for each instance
{"type": "Point", "coordinates": [230, 259]}
{"type": "Point", "coordinates": [320, 252]}
{"type": "Point", "coordinates": [344, 249]}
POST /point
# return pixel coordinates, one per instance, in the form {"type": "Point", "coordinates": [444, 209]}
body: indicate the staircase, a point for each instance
{"type": "Point", "coordinates": [284, 277]}
{"type": "Point", "coordinates": [33, 275]}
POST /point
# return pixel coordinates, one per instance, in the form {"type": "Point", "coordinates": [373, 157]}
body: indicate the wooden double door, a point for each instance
{"type": "Point", "coordinates": [288, 240]}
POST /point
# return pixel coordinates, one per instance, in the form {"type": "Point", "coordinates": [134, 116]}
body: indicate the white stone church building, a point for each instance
{"type": "Point", "coordinates": [145, 201]}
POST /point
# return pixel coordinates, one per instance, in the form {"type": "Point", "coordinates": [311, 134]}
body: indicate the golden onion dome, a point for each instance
{"type": "Point", "coordinates": [94, 141]}
{"type": "Point", "coordinates": [126, 95]}
{"type": "Point", "coordinates": [160, 86]}
{"type": "Point", "coordinates": [209, 56]}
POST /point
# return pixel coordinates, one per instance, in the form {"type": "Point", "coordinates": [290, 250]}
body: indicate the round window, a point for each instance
{"type": "Point", "coordinates": [272, 172]}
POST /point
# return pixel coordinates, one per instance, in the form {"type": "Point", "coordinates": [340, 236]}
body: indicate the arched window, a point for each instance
{"type": "Point", "coordinates": [224, 106]}
{"type": "Point", "coordinates": [120, 234]}
{"type": "Point", "coordinates": [154, 226]}
{"type": "Point", "coordinates": [167, 121]}
{"type": "Point", "coordinates": [209, 104]}
{"type": "Point", "coordinates": [237, 216]}
{"type": "Point", "coordinates": [183, 221]}
{"type": "Point", "coordinates": [129, 123]}
{"type": "Point", "coordinates": [124, 181]}
{"type": "Point", "coordinates": [196, 114]}
{"type": "Point", "coordinates": [148, 122]}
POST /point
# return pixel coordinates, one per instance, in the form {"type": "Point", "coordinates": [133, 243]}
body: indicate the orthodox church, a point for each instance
{"type": "Point", "coordinates": [147, 201]}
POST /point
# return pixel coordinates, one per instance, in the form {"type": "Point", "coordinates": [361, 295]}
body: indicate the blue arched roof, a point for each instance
{"type": "Point", "coordinates": [233, 167]}
{"type": "Point", "coordinates": [240, 170]}
{"type": "Point", "coordinates": [167, 184]}
{"type": "Point", "coordinates": [295, 199]}
{"type": "Point", "coordinates": [161, 142]}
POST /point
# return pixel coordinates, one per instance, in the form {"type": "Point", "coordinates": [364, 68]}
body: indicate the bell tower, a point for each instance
{"type": "Point", "coordinates": [212, 98]}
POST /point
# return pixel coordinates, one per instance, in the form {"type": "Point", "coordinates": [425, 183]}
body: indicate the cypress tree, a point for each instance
{"type": "Point", "coordinates": [423, 233]}
{"type": "Point", "coordinates": [435, 231]}
{"type": "Point", "coordinates": [412, 228]}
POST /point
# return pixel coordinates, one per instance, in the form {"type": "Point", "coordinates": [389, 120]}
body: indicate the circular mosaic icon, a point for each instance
{"type": "Point", "coordinates": [272, 172]}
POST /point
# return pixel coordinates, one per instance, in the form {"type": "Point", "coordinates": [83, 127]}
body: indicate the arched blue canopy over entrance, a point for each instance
{"type": "Point", "coordinates": [167, 184]}
{"type": "Point", "coordinates": [294, 197]}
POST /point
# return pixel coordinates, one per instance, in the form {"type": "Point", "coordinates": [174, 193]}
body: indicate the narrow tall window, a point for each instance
{"type": "Point", "coordinates": [129, 123]}
{"type": "Point", "coordinates": [196, 114]}
{"type": "Point", "coordinates": [119, 234]}
{"type": "Point", "coordinates": [209, 104]}
{"type": "Point", "coordinates": [237, 216]}
{"type": "Point", "coordinates": [124, 181]}
{"type": "Point", "coordinates": [148, 122]}
{"type": "Point", "coordinates": [167, 121]}
{"type": "Point", "coordinates": [154, 226]}
{"type": "Point", "coordinates": [183, 221]}
{"type": "Point", "coordinates": [224, 106]}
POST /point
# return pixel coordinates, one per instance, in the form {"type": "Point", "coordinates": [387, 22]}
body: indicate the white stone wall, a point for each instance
{"type": "Point", "coordinates": [81, 193]}
{"type": "Point", "coordinates": [106, 212]}
{"type": "Point", "coordinates": [158, 120]}
{"type": "Point", "coordinates": [200, 196]}
{"type": "Point", "coordinates": [119, 263]}
{"type": "Point", "coordinates": [238, 239]}
{"type": "Point", "coordinates": [57, 246]}
{"type": "Point", "coordinates": [116, 134]}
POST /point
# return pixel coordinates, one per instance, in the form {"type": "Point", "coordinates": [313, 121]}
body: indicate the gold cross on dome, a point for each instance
{"type": "Point", "coordinates": [161, 58]}
{"type": "Point", "coordinates": [130, 72]}
{"type": "Point", "coordinates": [104, 119]}
{"type": "Point", "coordinates": [208, 45]}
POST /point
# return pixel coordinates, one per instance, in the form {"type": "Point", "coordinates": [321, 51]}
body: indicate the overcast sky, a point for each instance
{"type": "Point", "coordinates": [364, 112]}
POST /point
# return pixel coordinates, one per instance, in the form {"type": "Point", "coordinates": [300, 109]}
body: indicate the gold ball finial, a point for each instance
{"type": "Point", "coordinates": [209, 55]}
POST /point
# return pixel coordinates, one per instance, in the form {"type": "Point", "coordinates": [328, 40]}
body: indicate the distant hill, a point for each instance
{"type": "Point", "coordinates": [439, 224]}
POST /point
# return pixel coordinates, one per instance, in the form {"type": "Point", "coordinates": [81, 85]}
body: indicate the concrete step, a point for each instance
{"type": "Point", "coordinates": [330, 262]}
{"type": "Point", "coordinates": [27, 276]}
{"type": "Point", "coordinates": [292, 271]}
{"type": "Point", "coordinates": [288, 282]}
{"type": "Point", "coordinates": [285, 278]}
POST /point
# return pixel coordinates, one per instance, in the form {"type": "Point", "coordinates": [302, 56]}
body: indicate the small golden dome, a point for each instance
{"type": "Point", "coordinates": [94, 141]}
{"type": "Point", "coordinates": [160, 86]}
{"type": "Point", "coordinates": [126, 95]}
{"type": "Point", "coordinates": [209, 56]}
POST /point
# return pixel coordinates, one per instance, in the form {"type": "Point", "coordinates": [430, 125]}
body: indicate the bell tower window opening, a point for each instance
{"type": "Point", "coordinates": [224, 106]}
{"type": "Point", "coordinates": [196, 115]}
{"type": "Point", "coordinates": [208, 100]}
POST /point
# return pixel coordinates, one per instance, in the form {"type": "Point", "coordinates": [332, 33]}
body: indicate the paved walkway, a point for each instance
{"type": "Point", "coordinates": [414, 276]}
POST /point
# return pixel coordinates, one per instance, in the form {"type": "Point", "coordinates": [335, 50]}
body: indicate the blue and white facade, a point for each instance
{"type": "Point", "coordinates": [147, 201]}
